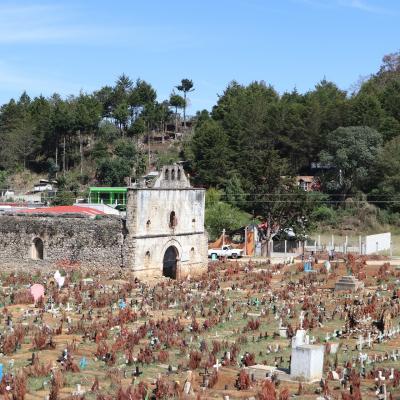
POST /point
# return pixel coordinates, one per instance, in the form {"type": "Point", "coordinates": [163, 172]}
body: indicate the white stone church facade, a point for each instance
{"type": "Point", "coordinates": [165, 227]}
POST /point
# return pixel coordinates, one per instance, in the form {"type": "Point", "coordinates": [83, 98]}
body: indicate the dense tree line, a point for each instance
{"type": "Point", "coordinates": [100, 129]}
{"type": "Point", "coordinates": [249, 147]}
{"type": "Point", "coordinates": [253, 137]}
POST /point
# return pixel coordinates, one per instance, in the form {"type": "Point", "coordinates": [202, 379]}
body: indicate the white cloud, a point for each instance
{"type": "Point", "coordinates": [56, 24]}
{"type": "Point", "coordinates": [42, 24]}
{"type": "Point", "coordinates": [361, 5]}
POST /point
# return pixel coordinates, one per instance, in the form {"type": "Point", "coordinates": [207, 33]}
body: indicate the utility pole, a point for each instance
{"type": "Point", "coordinates": [80, 150]}
{"type": "Point", "coordinates": [57, 159]}
{"type": "Point", "coordinates": [148, 144]}
{"type": "Point", "coordinates": [64, 157]}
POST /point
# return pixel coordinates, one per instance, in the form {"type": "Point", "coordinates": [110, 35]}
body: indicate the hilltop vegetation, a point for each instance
{"type": "Point", "coordinates": [254, 136]}
{"type": "Point", "coordinates": [97, 134]}
{"type": "Point", "coordinates": [249, 147]}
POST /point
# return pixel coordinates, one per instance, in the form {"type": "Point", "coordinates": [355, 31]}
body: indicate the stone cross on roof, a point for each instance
{"type": "Point", "coordinates": [301, 319]}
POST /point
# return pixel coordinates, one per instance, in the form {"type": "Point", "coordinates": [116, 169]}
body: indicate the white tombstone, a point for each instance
{"type": "Point", "coordinates": [360, 342]}
{"type": "Point", "coordinates": [217, 365]}
{"type": "Point", "coordinates": [187, 387]}
{"type": "Point", "coordinates": [301, 319]}
{"type": "Point", "coordinates": [369, 340]}
{"type": "Point", "coordinates": [307, 360]}
{"type": "Point", "coordinates": [300, 338]}
{"type": "Point", "coordinates": [327, 265]}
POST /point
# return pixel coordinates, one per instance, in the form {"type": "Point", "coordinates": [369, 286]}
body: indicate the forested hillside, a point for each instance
{"type": "Point", "coordinates": [254, 136]}
{"type": "Point", "coordinates": [91, 137]}
{"type": "Point", "coordinates": [248, 147]}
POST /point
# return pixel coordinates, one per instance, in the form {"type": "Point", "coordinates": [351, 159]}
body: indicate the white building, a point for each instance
{"type": "Point", "coordinates": [7, 193]}
{"type": "Point", "coordinates": [44, 186]}
{"type": "Point", "coordinates": [165, 232]}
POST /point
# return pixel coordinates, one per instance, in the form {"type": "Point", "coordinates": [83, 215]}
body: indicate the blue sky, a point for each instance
{"type": "Point", "coordinates": [67, 46]}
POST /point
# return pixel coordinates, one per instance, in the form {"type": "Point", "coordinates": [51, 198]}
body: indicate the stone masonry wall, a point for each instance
{"type": "Point", "coordinates": [149, 233]}
{"type": "Point", "coordinates": [67, 239]}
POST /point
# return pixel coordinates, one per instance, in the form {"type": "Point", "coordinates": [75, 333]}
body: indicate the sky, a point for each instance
{"type": "Point", "coordinates": [68, 46]}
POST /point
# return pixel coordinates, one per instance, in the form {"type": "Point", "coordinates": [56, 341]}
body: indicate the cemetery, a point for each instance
{"type": "Point", "coordinates": [241, 330]}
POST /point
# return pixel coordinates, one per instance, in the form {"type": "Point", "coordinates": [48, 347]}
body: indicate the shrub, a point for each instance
{"type": "Point", "coordinates": [324, 214]}
{"type": "Point", "coordinates": [243, 381]}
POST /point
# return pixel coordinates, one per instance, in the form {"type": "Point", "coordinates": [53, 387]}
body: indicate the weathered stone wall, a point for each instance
{"type": "Point", "coordinates": [74, 239]}
{"type": "Point", "coordinates": [149, 232]}
{"type": "Point", "coordinates": [169, 215]}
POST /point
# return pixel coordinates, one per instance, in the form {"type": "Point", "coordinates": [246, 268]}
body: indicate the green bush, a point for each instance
{"type": "Point", "coordinates": [64, 198]}
{"type": "Point", "coordinates": [324, 214]}
{"type": "Point", "coordinates": [3, 179]}
{"type": "Point", "coordinates": [220, 215]}
{"type": "Point", "coordinates": [386, 217]}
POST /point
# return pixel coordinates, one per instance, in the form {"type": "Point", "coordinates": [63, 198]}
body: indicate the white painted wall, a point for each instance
{"type": "Point", "coordinates": [307, 362]}
{"type": "Point", "coordinates": [149, 230]}
{"type": "Point", "coordinates": [155, 205]}
{"type": "Point", "coordinates": [377, 243]}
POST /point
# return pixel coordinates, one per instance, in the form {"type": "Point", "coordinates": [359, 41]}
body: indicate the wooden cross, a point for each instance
{"type": "Point", "coordinates": [205, 376]}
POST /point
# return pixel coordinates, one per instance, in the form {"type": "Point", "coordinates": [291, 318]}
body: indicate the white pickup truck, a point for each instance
{"type": "Point", "coordinates": [225, 251]}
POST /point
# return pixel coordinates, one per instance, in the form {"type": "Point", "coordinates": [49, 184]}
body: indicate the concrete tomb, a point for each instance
{"type": "Point", "coordinates": [348, 282]}
{"type": "Point", "coordinates": [306, 359]}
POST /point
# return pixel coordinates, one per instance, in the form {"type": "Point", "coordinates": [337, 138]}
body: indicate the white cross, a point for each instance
{"type": "Point", "coordinates": [360, 342]}
{"type": "Point", "coordinates": [301, 319]}
{"type": "Point", "coordinates": [327, 337]}
{"type": "Point", "coordinates": [53, 310]}
{"type": "Point", "coordinates": [369, 339]}
{"type": "Point", "coordinates": [217, 365]}
{"type": "Point", "coordinates": [68, 308]}
{"type": "Point", "coordinates": [381, 378]}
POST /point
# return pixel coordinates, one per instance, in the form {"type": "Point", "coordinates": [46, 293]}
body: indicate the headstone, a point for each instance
{"type": "Point", "coordinates": [301, 319]}
{"type": "Point", "coordinates": [335, 375]}
{"type": "Point", "coordinates": [260, 371]}
{"type": "Point", "coordinates": [59, 279]}
{"type": "Point", "coordinates": [327, 266]}
{"type": "Point", "coordinates": [307, 266]}
{"type": "Point", "coordinates": [217, 365]}
{"type": "Point", "coordinates": [369, 340]}
{"type": "Point", "coordinates": [307, 362]}
{"type": "Point", "coordinates": [121, 304]}
{"type": "Point", "coordinates": [79, 391]}
{"type": "Point", "coordinates": [83, 363]}
{"type": "Point", "coordinates": [349, 283]}
{"type": "Point", "coordinates": [360, 342]}
{"type": "Point", "coordinates": [300, 338]}
{"type": "Point", "coordinates": [187, 387]}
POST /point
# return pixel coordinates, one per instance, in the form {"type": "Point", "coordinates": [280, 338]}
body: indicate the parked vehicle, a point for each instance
{"type": "Point", "coordinates": [225, 251]}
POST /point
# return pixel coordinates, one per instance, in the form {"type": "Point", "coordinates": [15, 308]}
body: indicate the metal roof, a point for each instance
{"type": "Point", "coordinates": [97, 189]}
{"type": "Point", "coordinates": [62, 210]}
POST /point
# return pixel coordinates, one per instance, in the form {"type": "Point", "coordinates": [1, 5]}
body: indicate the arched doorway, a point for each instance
{"type": "Point", "coordinates": [37, 249]}
{"type": "Point", "coordinates": [170, 262]}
